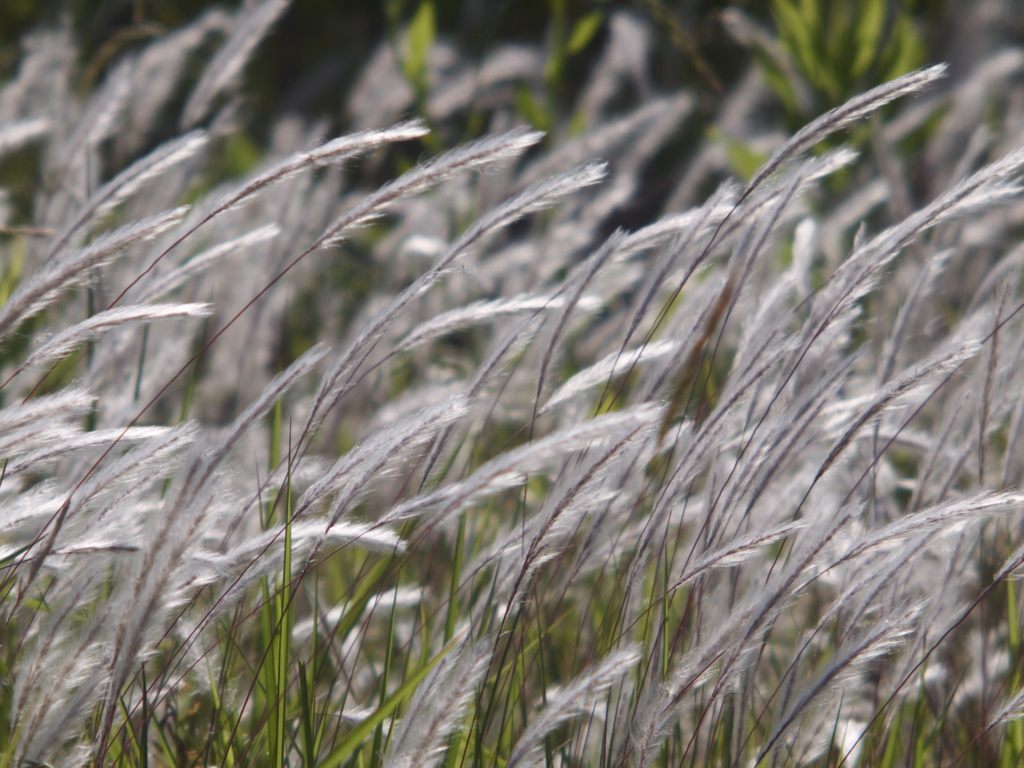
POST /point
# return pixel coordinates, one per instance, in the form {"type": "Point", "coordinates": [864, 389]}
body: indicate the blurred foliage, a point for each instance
{"type": "Point", "coordinates": [419, 39]}
{"type": "Point", "coordinates": [743, 159]}
{"type": "Point", "coordinates": [841, 48]}
{"type": "Point", "coordinates": [813, 53]}
{"type": "Point", "coordinates": [837, 46]}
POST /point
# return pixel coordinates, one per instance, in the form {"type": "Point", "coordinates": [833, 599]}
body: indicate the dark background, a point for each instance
{"type": "Point", "coordinates": [319, 46]}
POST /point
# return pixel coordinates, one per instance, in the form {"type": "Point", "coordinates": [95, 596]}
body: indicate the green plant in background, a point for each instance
{"type": "Point", "coordinates": [419, 38]}
{"type": "Point", "coordinates": [839, 48]}
{"type": "Point", "coordinates": [822, 54]}
{"type": "Point", "coordinates": [565, 38]}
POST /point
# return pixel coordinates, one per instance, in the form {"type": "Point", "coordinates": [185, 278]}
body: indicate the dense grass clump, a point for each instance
{"type": "Point", "coordinates": [365, 452]}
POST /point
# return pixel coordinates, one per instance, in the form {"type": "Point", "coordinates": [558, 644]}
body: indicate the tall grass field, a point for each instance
{"type": "Point", "coordinates": [526, 411]}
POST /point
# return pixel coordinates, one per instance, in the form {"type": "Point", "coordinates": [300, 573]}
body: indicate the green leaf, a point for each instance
{"type": "Point", "coordinates": [530, 110]}
{"type": "Point", "coordinates": [796, 36]}
{"type": "Point", "coordinates": [419, 39]}
{"type": "Point", "coordinates": [891, 739]}
{"type": "Point", "coordinates": [869, 35]}
{"type": "Point", "coordinates": [12, 271]}
{"type": "Point", "coordinates": [904, 48]}
{"type": "Point", "coordinates": [778, 82]}
{"type": "Point", "coordinates": [241, 154]}
{"type": "Point", "coordinates": [1012, 619]}
{"type": "Point", "coordinates": [358, 735]}
{"type": "Point", "coordinates": [743, 160]}
{"type": "Point", "coordinates": [810, 10]}
{"type": "Point", "coordinates": [840, 51]}
{"type": "Point", "coordinates": [583, 31]}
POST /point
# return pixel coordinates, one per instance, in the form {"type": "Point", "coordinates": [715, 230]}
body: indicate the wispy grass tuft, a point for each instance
{"type": "Point", "coordinates": [491, 456]}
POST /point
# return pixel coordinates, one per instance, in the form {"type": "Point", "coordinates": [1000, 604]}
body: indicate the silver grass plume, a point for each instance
{"type": "Point", "coordinates": [42, 288]}
{"type": "Point", "coordinates": [129, 181]}
{"type": "Point", "coordinates": [436, 708]}
{"type": "Point", "coordinates": [578, 697]}
{"type": "Point", "coordinates": [63, 343]}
